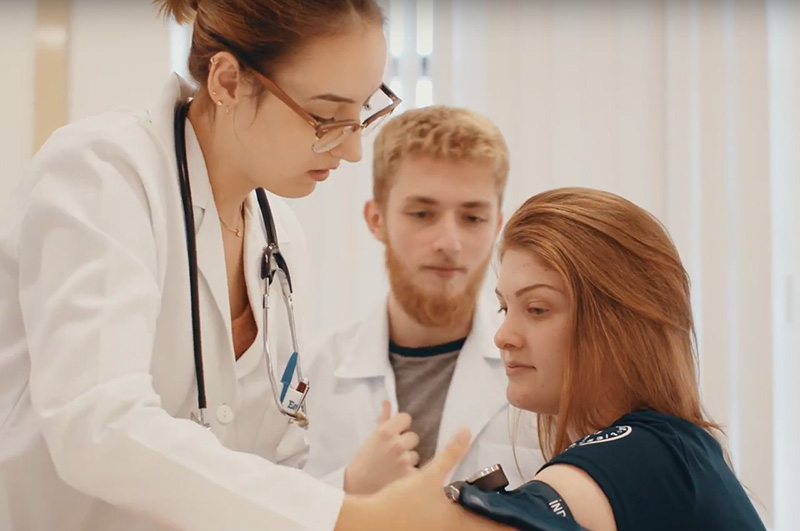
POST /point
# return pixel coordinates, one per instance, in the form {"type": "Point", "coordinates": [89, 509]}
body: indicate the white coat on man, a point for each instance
{"type": "Point", "coordinates": [351, 376]}
{"type": "Point", "coordinates": [97, 376]}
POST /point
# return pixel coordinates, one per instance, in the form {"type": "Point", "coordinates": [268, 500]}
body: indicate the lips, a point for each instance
{"type": "Point", "coordinates": [513, 368]}
{"type": "Point", "coordinates": [445, 269]}
{"type": "Point", "coordinates": [444, 272]}
{"type": "Point", "coordinates": [319, 175]}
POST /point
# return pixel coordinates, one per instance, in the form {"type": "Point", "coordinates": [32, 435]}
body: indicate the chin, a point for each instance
{"type": "Point", "coordinates": [294, 190]}
{"type": "Point", "coordinates": [523, 399]}
{"type": "Point", "coordinates": [305, 192]}
{"type": "Point", "coordinates": [438, 287]}
{"type": "Point", "coordinates": [516, 399]}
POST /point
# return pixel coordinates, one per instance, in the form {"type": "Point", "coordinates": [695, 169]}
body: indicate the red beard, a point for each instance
{"type": "Point", "coordinates": [439, 310]}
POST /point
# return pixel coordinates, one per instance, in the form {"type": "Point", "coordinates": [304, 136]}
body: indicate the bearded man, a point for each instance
{"type": "Point", "coordinates": [387, 391]}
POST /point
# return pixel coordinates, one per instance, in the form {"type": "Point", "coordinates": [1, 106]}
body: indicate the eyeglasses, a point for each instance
{"type": "Point", "coordinates": [331, 133]}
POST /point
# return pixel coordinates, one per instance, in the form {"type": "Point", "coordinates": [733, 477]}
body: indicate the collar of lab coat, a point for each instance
{"type": "Point", "coordinates": [368, 357]}
{"type": "Point", "coordinates": [478, 387]}
{"type": "Point", "coordinates": [162, 114]}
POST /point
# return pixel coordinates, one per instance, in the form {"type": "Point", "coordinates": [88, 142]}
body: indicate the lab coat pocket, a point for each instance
{"type": "Point", "coordinates": [520, 463]}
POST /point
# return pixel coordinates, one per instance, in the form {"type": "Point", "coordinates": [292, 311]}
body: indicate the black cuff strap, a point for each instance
{"type": "Point", "coordinates": [534, 506]}
{"type": "Point", "coordinates": [545, 493]}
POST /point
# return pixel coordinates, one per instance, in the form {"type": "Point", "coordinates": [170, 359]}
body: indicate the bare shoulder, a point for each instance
{"type": "Point", "coordinates": [585, 498]}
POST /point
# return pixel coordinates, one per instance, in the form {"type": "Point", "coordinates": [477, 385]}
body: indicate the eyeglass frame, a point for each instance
{"type": "Point", "coordinates": [323, 127]}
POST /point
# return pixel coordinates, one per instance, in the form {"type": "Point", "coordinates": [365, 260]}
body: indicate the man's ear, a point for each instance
{"type": "Point", "coordinates": [373, 215]}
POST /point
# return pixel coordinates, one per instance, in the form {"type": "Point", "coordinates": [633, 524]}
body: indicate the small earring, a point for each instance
{"type": "Point", "coordinates": [219, 103]}
{"type": "Point", "coordinates": [214, 60]}
{"type": "Point", "coordinates": [213, 93]}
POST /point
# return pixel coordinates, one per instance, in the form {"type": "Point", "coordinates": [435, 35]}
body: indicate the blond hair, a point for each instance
{"type": "Point", "coordinates": [633, 342]}
{"type": "Point", "coordinates": [437, 132]}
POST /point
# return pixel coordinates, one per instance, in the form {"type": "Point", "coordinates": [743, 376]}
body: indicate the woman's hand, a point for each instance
{"type": "Point", "coordinates": [415, 502]}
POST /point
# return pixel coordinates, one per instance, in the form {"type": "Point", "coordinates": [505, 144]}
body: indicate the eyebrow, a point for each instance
{"type": "Point", "coordinates": [433, 202]}
{"type": "Point", "coordinates": [336, 98]}
{"type": "Point", "coordinates": [527, 289]}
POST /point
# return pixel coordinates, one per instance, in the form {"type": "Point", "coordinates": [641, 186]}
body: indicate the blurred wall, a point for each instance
{"type": "Point", "coordinates": [113, 53]}
{"type": "Point", "coordinates": [17, 47]}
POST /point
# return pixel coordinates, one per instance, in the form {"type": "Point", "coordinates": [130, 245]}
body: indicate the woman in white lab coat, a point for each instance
{"type": "Point", "coordinates": [97, 376]}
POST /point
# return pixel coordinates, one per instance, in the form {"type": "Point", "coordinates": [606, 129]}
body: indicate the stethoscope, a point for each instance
{"type": "Point", "coordinates": [291, 399]}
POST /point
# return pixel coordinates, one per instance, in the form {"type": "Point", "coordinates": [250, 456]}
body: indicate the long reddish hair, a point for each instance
{"type": "Point", "coordinates": [633, 340]}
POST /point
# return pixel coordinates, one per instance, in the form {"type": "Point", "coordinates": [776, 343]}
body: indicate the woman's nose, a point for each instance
{"type": "Point", "coordinates": [350, 148]}
{"type": "Point", "coordinates": [507, 337]}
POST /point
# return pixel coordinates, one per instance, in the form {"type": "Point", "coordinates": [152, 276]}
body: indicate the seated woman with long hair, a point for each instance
{"type": "Point", "coordinates": [599, 341]}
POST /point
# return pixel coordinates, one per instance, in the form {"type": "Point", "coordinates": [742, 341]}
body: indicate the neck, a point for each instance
{"type": "Point", "coordinates": [406, 332]}
{"type": "Point", "coordinates": [229, 187]}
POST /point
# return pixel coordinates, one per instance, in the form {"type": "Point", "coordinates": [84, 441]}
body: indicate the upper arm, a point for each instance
{"type": "Point", "coordinates": [464, 520]}
{"type": "Point", "coordinates": [584, 497]}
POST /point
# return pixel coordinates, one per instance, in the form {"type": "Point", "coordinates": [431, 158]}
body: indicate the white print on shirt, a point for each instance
{"type": "Point", "coordinates": [558, 507]}
{"type": "Point", "coordinates": [604, 436]}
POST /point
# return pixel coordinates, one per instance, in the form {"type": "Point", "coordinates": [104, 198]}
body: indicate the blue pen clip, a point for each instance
{"type": "Point", "coordinates": [288, 374]}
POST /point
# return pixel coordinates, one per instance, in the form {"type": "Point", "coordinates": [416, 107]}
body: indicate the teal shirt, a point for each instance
{"type": "Point", "coordinates": [663, 473]}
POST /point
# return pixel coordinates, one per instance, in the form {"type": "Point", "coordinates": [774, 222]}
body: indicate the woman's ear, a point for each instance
{"type": "Point", "coordinates": [226, 85]}
{"type": "Point", "coordinates": [373, 215]}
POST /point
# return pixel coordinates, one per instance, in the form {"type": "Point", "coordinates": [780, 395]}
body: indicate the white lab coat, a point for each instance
{"type": "Point", "coordinates": [97, 373]}
{"type": "Point", "coordinates": [351, 375]}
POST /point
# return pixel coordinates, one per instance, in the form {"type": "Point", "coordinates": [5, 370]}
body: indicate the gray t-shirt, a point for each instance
{"type": "Point", "coordinates": [422, 377]}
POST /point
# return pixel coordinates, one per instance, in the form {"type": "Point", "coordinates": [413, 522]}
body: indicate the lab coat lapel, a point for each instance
{"type": "Point", "coordinates": [477, 390]}
{"type": "Point", "coordinates": [368, 361]}
{"type": "Point", "coordinates": [162, 114]}
{"type": "Point", "coordinates": [210, 253]}
{"type": "Point", "coordinates": [208, 231]}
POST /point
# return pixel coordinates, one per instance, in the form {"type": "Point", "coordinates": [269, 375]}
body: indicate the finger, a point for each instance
{"type": "Point", "coordinates": [399, 423]}
{"type": "Point", "coordinates": [386, 412]}
{"type": "Point", "coordinates": [410, 458]}
{"type": "Point", "coordinates": [408, 440]}
{"type": "Point", "coordinates": [447, 459]}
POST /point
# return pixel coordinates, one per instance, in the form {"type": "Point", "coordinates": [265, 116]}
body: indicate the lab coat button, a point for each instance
{"type": "Point", "coordinates": [224, 414]}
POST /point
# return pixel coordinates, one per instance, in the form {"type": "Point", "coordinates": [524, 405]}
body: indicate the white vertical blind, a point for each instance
{"type": "Point", "coordinates": [783, 23]}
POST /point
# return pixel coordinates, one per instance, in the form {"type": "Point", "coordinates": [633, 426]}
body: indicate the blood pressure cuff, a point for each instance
{"type": "Point", "coordinates": [534, 506]}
